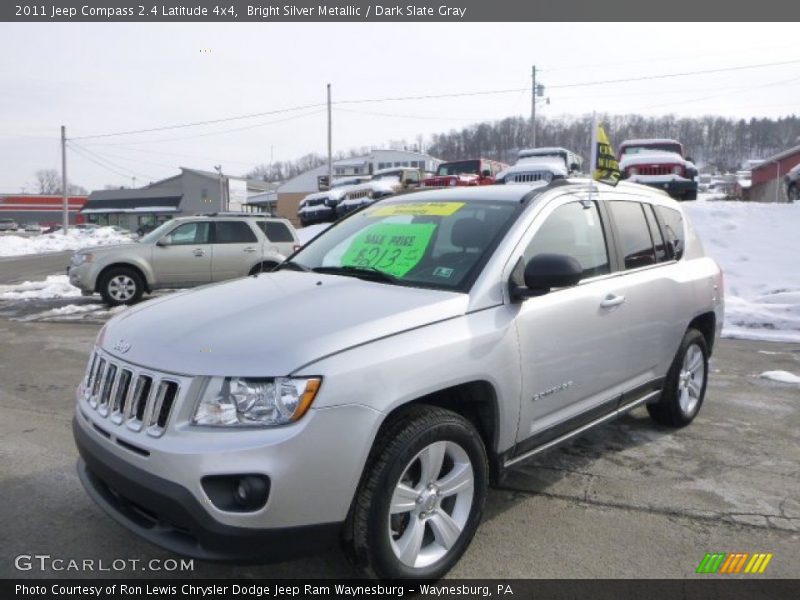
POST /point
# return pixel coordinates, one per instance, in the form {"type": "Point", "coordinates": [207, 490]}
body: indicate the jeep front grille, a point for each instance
{"type": "Point", "coordinates": [654, 169]}
{"type": "Point", "coordinates": [530, 176]}
{"type": "Point", "coordinates": [129, 396]}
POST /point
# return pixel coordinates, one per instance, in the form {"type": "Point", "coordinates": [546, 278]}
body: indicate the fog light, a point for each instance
{"type": "Point", "coordinates": [237, 493]}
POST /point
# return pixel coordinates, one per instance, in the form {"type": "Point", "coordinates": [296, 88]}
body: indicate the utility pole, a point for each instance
{"type": "Point", "coordinates": [218, 168]}
{"type": "Point", "coordinates": [533, 107]}
{"type": "Point", "coordinates": [65, 220]}
{"type": "Point", "coordinates": [133, 180]}
{"type": "Point", "coordinates": [330, 146]}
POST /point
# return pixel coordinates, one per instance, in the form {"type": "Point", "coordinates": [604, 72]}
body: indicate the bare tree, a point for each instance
{"type": "Point", "coordinates": [48, 181]}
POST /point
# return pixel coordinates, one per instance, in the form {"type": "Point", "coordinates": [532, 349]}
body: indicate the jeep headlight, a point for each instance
{"type": "Point", "coordinates": [250, 401]}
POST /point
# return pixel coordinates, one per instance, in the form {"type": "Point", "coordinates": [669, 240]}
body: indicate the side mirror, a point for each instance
{"type": "Point", "coordinates": [165, 241]}
{"type": "Point", "coordinates": [486, 173]}
{"type": "Point", "coordinates": [546, 271]}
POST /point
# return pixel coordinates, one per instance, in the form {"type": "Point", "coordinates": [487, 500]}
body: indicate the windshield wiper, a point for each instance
{"type": "Point", "coordinates": [294, 266]}
{"type": "Point", "coordinates": [365, 272]}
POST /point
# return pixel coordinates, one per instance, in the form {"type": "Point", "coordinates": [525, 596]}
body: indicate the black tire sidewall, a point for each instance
{"type": "Point", "coordinates": [691, 338]}
{"type": "Point", "coordinates": [384, 560]}
{"type": "Point", "coordinates": [109, 275]}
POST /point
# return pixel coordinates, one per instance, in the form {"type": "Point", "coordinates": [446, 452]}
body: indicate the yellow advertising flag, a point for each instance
{"type": "Point", "coordinates": [607, 167]}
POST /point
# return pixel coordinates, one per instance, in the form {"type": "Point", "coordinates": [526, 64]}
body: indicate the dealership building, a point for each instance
{"type": "Point", "coordinates": [44, 209]}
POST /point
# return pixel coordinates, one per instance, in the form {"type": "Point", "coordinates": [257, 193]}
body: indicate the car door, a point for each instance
{"type": "Point", "coordinates": [570, 339]}
{"type": "Point", "coordinates": [650, 282]}
{"type": "Point", "coordinates": [236, 250]}
{"type": "Point", "coordinates": [183, 257]}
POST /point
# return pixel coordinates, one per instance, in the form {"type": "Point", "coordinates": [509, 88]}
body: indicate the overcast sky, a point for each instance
{"type": "Point", "coordinates": [106, 78]}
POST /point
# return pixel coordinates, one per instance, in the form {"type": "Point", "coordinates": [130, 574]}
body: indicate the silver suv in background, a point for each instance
{"type": "Point", "coordinates": [476, 327]}
{"type": "Point", "coordinates": [183, 252]}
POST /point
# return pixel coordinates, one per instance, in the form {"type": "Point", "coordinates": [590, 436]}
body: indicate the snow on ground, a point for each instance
{"type": "Point", "coordinates": [55, 286]}
{"type": "Point", "coordinates": [780, 376]}
{"type": "Point", "coordinates": [758, 247]}
{"type": "Point", "coordinates": [306, 233]}
{"type": "Point", "coordinates": [73, 312]}
{"type": "Point", "coordinates": [15, 245]}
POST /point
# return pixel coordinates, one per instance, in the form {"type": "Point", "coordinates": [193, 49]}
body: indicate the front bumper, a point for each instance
{"type": "Point", "coordinates": [677, 187]}
{"type": "Point", "coordinates": [169, 515]}
{"type": "Point", "coordinates": [81, 277]}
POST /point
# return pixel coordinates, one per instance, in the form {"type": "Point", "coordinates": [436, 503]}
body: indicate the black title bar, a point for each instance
{"type": "Point", "coordinates": [679, 11]}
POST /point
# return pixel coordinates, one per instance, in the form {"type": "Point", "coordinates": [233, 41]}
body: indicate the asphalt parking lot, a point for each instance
{"type": "Point", "coordinates": [627, 500]}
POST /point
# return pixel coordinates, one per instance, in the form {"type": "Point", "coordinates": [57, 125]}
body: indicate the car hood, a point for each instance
{"type": "Point", "coordinates": [270, 325]}
{"type": "Point", "coordinates": [108, 248]}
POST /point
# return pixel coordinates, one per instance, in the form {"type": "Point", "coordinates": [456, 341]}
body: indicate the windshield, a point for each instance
{"type": "Point", "coordinates": [651, 148]}
{"type": "Point", "coordinates": [457, 168]}
{"type": "Point", "coordinates": [439, 245]}
{"type": "Point", "coordinates": [157, 233]}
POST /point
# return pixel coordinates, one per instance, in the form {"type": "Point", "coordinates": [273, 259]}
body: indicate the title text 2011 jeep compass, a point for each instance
{"type": "Point", "coordinates": [475, 327]}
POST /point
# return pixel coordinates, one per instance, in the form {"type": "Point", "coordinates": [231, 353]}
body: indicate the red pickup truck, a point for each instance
{"type": "Point", "coordinates": [477, 171]}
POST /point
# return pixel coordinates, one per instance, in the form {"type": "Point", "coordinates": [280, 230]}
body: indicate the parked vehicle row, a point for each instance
{"type": "Point", "coordinates": [659, 163]}
{"type": "Point", "coordinates": [483, 325]}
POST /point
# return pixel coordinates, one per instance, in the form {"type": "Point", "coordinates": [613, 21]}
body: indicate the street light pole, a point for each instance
{"type": "Point", "coordinates": [533, 108]}
{"type": "Point", "coordinates": [330, 145]}
{"type": "Point", "coordinates": [65, 201]}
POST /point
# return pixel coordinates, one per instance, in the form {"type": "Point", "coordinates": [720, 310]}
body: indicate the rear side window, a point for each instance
{"type": "Point", "coordinates": [655, 232]}
{"type": "Point", "coordinates": [673, 231]}
{"type": "Point", "coordinates": [276, 231]}
{"type": "Point", "coordinates": [573, 229]}
{"type": "Point", "coordinates": [233, 232]}
{"type": "Point", "coordinates": [634, 234]}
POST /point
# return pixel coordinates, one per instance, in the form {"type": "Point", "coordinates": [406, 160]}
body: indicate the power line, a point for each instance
{"type": "Point", "coordinates": [105, 163]}
{"type": "Point", "coordinates": [198, 123]}
{"type": "Point", "coordinates": [213, 133]}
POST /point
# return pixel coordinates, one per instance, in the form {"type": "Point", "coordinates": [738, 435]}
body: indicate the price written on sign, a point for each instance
{"type": "Point", "coordinates": [394, 248]}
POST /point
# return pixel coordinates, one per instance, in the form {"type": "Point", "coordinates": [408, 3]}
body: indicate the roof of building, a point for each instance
{"type": "Point", "coordinates": [130, 199]}
{"type": "Point", "coordinates": [776, 157]}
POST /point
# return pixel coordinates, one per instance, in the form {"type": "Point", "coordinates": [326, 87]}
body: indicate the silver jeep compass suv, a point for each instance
{"type": "Point", "coordinates": [475, 327]}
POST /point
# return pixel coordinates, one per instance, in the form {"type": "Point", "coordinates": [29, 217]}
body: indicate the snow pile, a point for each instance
{"type": "Point", "coordinates": [780, 376]}
{"type": "Point", "coordinates": [305, 234]}
{"type": "Point", "coordinates": [55, 286]}
{"type": "Point", "coordinates": [757, 245]}
{"type": "Point", "coordinates": [14, 245]}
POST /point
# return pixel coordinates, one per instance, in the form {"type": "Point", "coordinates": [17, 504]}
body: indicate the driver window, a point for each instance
{"type": "Point", "coordinates": [573, 229]}
{"type": "Point", "coordinates": [190, 233]}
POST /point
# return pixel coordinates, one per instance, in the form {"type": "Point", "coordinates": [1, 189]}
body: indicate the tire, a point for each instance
{"type": "Point", "coordinates": [793, 193]}
{"type": "Point", "coordinates": [443, 524]}
{"type": "Point", "coordinates": [264, 267]}
{"type": "Point", "coordinates": [690, 195]}
{"type": "Point", "coordinates": [121, 285]}
{"type": "Point", "coordinates": [685, 386]}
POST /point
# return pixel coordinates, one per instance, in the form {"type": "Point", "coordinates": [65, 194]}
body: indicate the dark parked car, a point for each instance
{"type": "Point", "coordinates": [792, 180]}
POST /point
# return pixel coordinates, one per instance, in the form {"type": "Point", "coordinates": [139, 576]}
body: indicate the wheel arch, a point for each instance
{"type": "Point", "coordinates": [476, 401]}
{"type": "Point", "coordinates": [706, 324]}
{"type": "Point", "coordinates": [122, 265]}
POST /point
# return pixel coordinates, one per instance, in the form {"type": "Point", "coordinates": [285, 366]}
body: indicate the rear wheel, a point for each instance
{"type": "Point", "coordinates": [685, 385]}
{"type": "Point", "coordinates": [421, 497]}
{"type": "Point", "coordinates": [121, 285]}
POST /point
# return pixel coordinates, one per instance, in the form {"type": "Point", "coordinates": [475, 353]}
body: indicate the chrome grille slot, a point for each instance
{"type": "Point", "coordinates": [137, 402]}
{"type": "Point", "coordinates": [120, 395]}
{"type": "Point", "coordinates": [108, 386]}
{"type": "Point", "coordinates": [527, 177]}
{"type": "Point", "coordinates": [140, 399]}
{"type": "Point", "coordinates": [97, 382]}
{"type": "Point", "coordinates": [162, 405]}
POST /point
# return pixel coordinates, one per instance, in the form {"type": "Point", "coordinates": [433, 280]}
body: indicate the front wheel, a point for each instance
{"type": "Point", "coordinates": [685, 385]}
{"type": "Point", "coordinates": [794, 193]}
{"type": "Point", "coordinates": [121, 285]}
{"type": "Point", "coordinates": [421, 497]}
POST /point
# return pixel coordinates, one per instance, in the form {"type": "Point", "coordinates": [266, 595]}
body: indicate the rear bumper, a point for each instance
{"type": "Point", "coordinates": [169, 515]}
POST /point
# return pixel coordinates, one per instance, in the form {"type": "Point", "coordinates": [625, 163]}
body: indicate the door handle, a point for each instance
{"type": "Point", "coordinates": [199, 252]}
{"type": "Point", "coordinates": [612, 300]}
{"type": "Point", "coordinates": [250, 249]}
